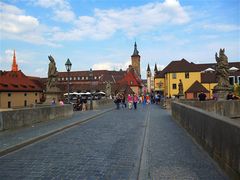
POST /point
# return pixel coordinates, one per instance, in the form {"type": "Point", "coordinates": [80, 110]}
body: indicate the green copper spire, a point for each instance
{"type": "Point", "coordinates": [135, 52]}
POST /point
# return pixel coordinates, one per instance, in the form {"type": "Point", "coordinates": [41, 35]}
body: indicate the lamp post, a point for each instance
{"type": "Point", "coordinates": [68, 65]}
{"type": "Point", "coordinates": [91, 78]}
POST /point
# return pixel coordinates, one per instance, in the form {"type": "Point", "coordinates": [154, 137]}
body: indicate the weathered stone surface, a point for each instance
{"type": "Point", "coordinates": [21, 117]}
{"type": "Point", "coordinates": [229, 108]}
{"type": "Point", "coordinates": [219, 135]}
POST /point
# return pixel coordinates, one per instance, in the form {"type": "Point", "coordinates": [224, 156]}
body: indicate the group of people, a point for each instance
{"type": "Point", "coordinates": [132, 100]}
{"type": "Point", "coordinates": [80, 105]}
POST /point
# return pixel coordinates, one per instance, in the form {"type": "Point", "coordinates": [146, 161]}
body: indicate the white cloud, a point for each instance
{"type": "Point", "coordinates": [111, 66]}
{"type": "Point", "coordinates": [13, 20]}
{"type": "Point", "coordinates": [61, 9]}
{"type": "Point", "coordinates": [222, 27]}
{"type": "Point", "coordinates": [18, 26]}
{"type": "Point", "coordinates": [132, 21]}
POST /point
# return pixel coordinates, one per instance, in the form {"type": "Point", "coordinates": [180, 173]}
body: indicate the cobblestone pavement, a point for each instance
{"type": "Point", "coordinates": [11, 138]}
{"type": "Point", "coordinates": [110, 147]}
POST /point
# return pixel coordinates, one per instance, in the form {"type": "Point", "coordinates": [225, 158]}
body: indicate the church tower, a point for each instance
{"type": "Point", "coordinates": [155, 70]}
{"type": "Point", "coordinates": [14, 64]}
{"type": "Point", "coordinates": [149, 75]}
{"type": "Point", "coordinates": [136, 60]}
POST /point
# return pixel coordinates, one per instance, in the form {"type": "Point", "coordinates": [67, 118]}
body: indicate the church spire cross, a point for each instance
{"type": "Point", "coordinates": [14, 64]}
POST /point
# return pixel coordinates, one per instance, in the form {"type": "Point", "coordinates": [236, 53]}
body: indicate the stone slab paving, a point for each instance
{"type": "Point", "coordinates": [11, 138]}
{"type": "Point", "coordinates": [172, 154]}
{"type": "Point", "coordinates": [110, 147]}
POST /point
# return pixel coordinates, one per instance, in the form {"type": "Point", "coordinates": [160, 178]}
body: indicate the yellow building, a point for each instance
{"type": "Point", "coordinates": [194, 77]}
{"type": "Point", "coordinates": [16, 89]}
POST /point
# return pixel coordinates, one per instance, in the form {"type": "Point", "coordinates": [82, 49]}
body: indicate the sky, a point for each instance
{"type": "Point", "coordinates": [100, 34]}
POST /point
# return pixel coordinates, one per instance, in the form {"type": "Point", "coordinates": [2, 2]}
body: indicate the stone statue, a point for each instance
{"type": "Point", "coordinates": [108, 89]}
{"type": "Point", "coordinates": [52, 73]}
{"type": "Point", "coordinates": [222, 70]}
{"type": "Point", "coordinates": [180, 88]}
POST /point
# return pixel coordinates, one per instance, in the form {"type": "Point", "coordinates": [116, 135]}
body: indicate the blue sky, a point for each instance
{"type": "Point", "coordinates": [100, 34]}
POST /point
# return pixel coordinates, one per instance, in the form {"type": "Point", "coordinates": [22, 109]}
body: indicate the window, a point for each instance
{"type": "Point", "coordinates": [86, 78]}
{"type": "Point", "coordinates": [25, 103]}
{"type": "Point", "coordinates": [174, 86]}
{"type": "Point", "coordinates": [66, 78]}
{"type": "Point", "coordinates": [79, 78]}
{"type": "Point", "coordinates": [74, 78]}
{"type": "Point", "coordinates": [63, 79]}
{"type": "Point", "coordinates": [231, 80]}
{"type": "Point", "coordinates": [35, 94]}
{"type": "Point", "coordinates": [59, 79]}
{"type": "Point", "coordinates": [82, 78]}
{"type": "Point", "coordinates": [9, 104]}
{"type": "Point", "coordinates": [174, 75]}
{"type": "Point", "coordinates": [238, 78]}
{"type": "Point", "coordinates": [186, 75]}
{"type": "Point", "coordinates": [36, 101]}
{"type": "Point", "coordinates": [131, 82]}
{"type": "Point", "coordinates": [70, 78]}
{"type": "Point", "coordinates": [25, 94]}
{"type": "Point", "coordinates": [95, 77]}
{"type": "Point", "coordinates": [9, 94]}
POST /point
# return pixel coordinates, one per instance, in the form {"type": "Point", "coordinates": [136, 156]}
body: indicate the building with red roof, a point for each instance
{"type": "Point", "coordinates": [17, 89]}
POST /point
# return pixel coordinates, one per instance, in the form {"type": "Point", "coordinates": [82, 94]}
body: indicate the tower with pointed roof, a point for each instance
{"type": "Point", "coordinates": [155, 69]}
{"type": "Point", "coordinates": [14, 64]}
{"type": "Point", "coordinates": [136, 60]}
{"type": "Point", "coordinates": [149, 76]}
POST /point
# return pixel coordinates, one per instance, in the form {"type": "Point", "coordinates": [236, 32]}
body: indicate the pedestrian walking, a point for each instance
{"type": "Point", "coordinates": [143, 101]}
{"type": "Point", "coordinates": [130, 101]}
{"type": "Point", "coordinates": [135, 101]}
{"type": "Point", "coordinates": [117, 101]}
{"type": "Point", "coordinates": [124, 105]}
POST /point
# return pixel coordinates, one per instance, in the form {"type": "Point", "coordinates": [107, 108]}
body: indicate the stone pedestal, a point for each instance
{"type": "Point", "coordinates": [51, 94]}
{"type": "Point", "coordinates": [181, 96]}
{"type": "Point", "coordinates": [221, 93]}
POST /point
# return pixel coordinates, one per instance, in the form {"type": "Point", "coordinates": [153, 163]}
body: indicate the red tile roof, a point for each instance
{"type": "Point", "coordinates": [17, 81]}
{"type": "Point", "coordinates": [131, 78]}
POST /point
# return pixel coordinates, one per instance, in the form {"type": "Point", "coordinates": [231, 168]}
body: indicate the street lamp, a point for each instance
{"type": "Point", "coordinates": [91, 78]}
{"type": "Point", "coordinates": [68, 65]}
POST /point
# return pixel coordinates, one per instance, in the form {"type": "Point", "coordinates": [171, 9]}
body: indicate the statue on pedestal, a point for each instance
{"type": "Point", "coordinates": [222, 75]}
{"type": "Point", "coordinates": [53, 93]}
{"type": "Point", "coordinates": [108, 89]}
{"type": "Point", "coordinates": [222, 69]}
{"type": "Point", "coordinates": [180, 89]}
{"type": "Point", "coordinates": [52, 74]}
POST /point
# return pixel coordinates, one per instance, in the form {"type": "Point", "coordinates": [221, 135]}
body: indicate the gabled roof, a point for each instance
{"type": "Point", "coordinates": [181, 66]}
{"type": "Point", "coordinates": [17, 81]}
{"type": "Point", "coordinates": [131, 78]}
{"type": "Point", "coordinates": [196, 87]}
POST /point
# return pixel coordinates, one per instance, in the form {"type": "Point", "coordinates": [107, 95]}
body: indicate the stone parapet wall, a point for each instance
{"type": "Point", "coordinates": [102, 102]}
{"type": "Point", "coordinates": [22, 117]}
{"type": "Point", "coordinates": [229, 108]}
{"type": "Point", "coordinates": [218, 135]}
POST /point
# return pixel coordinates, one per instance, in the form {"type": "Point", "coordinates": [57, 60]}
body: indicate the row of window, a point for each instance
{"type": "Point", "coordinates": [77, 78]}
{"type": "Point", "coordinates": [25, 94]}
{"type": "Point", "coordinates": [232, 80]}
{"type": "Point", "coordinates": [174, 75]}
{"type": "Point", "coordinates": [25, 103]}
